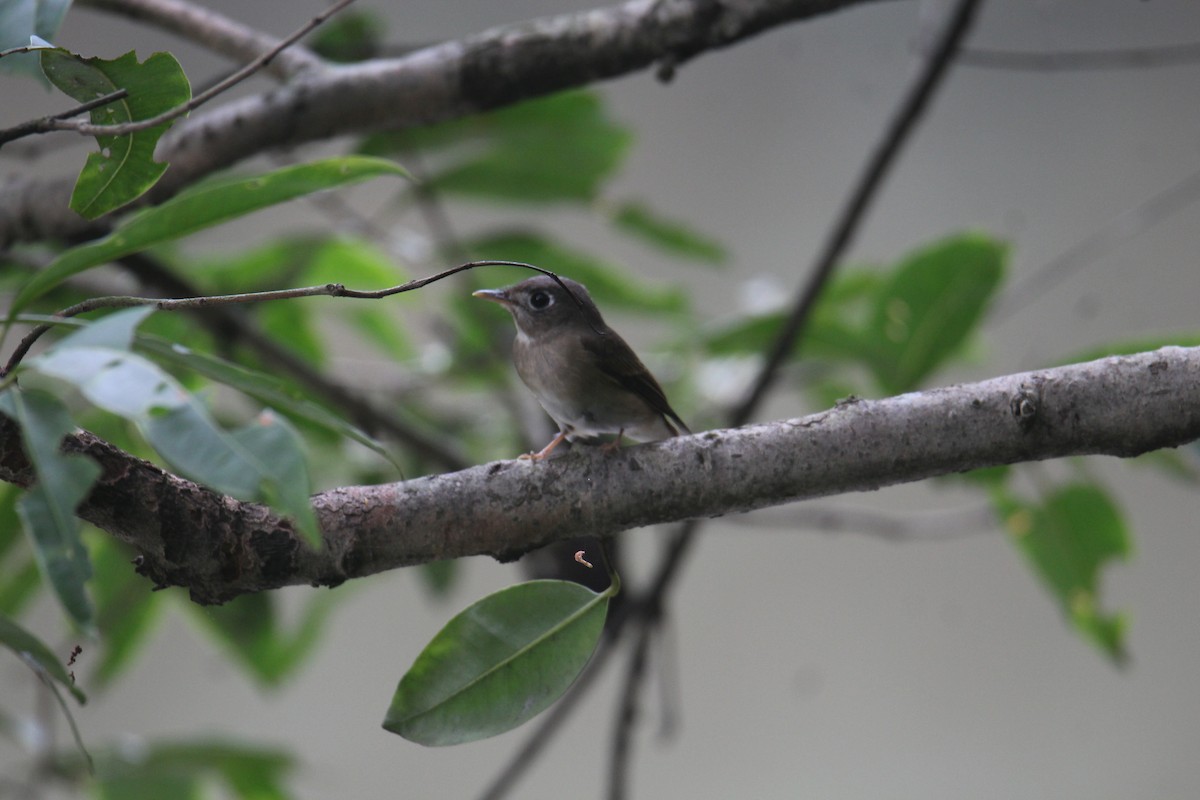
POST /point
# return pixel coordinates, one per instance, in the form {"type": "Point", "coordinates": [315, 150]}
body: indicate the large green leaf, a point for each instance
{"type": "Point", "coordinates": [1068, 540]}
{"type": "Point", "coordinates": [562, 147]}
{"type": "Point", "coordinates": [934, 300]}
{"type": "Point", "coordinates": [47, 510]}
{"type": "Point", "coordinates": [498, 663]}
{"type": "Point", "coordinates": [124, 166]}
{"type": "Point", "coordinates": [31, 650]}
{"type": "Point", "coordinates": [19, 576]}
{"type": "Point", "coordinates": [203, 207]}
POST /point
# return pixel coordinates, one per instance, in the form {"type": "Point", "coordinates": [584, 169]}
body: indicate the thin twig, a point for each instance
{"type": "Point", "coordinates": [45, 124]}
{"type": "Point", "coordinates": [215, 301]}
{"type": "Point", "coordinates": [242, 74]}
{"type": "Point", "coordinates": [213, 30]}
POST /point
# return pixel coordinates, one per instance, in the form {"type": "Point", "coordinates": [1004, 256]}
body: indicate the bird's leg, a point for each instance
{"type": "Point", "coordinates": [545, 451]}
{"type": "Point", "coordinates": [614, 445]}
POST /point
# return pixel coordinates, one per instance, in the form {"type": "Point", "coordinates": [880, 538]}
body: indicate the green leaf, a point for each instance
{"type": "Point", "coordinates": [203, 207]}
{"type": "Point", "coordinates": [1131, 346]}
{"type": "Point", "coordinates": [267, 389]}
{"type": "Point", "coordinates": [935, 298]}
{"type": "Point", "coordinates": [668, 235]}
{"type": "Point", "coordinates": [126, 608]}
{"type": "Point", "coordinates": [124, 167]}
{"type": "Point", "coordinates": [190, 769]}
{"type": "Point", "coordinates": [1067, 540]}
{"type": "Point", "coordinates": [20, 21]}
{"type": "Point", "coordinates": [498, 663]}
{"type": "Point", "coordinates": [115, 330]}
{"type": "Point", "coordinates": [276, 445]}
{"type": "Point", "coordinates": [349, 37]}
{"type": "Point", "coordinates": [179, 428]}
{"type": "Point", "coordinates": [562, 147]}
{"type": "Point", "coordinates": [47, 510]}
{"type": "Point", "coordinates": [251, 629]}
{"type": "Point", "coordinates": [610, 286]}
{"type": "Point", "coordinates": [37, 655]}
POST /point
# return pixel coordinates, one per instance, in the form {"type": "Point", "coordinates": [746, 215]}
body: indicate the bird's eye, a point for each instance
{"type": "Point", "coordinates": [540, 299]}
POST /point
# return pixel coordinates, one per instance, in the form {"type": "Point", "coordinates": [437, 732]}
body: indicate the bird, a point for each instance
{"type": "Point", "coordinates": [581, 371]}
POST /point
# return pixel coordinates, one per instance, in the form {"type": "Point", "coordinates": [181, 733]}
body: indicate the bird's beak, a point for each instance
{"type": "Point", "coordinates": [495, 295]}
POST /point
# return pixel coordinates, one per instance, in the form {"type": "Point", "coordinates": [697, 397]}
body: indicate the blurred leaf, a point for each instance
{"type": "Point", "coordinates": [124, 167]}
{"type": "Point", "coordinates": [277, 447]}
{"type": "Point", "coordinates": [114, 330]}
{"type": "Point", "coordinates": [185, 770]}
{"type": "Point", "coordinates": [37, 655]}
{"type": "Point", "coordinates": [439, 576]}
{"type": "Point", "coordinates": [294, 326]}
{"type": "Point", "coordinates": [203, 207]}
{"type": "Point", "coordinates": [47, 509]}
{"type": "Point", "coordinates": [179, 428]}
{"type": "Point", "coordinates": [499, 663]}
{"type": "Point", "coordinates": [934, 300]}
{"type": "Point", "coordinates": [267, 389]}
{"type": "Point", "coordinates": [561, 147]}
{"type": "Point", "coordinates": [1132, 346]}
{"type": "Point", "coordinates": [126, 608]}
{"type": "Point", "coordinates": [22, 19]}
{"type": "Point", "coordinates": [251, 630]}
{"type": "Point", "coordinates": [1067, 540]}
{"type": "Point", "coordinates": [610, 286]}
{"type": "Point", "coordinates": [19, 574]}
{"type": "Point", "coordinates": [1173, 463]}
{"type": "Point", "coordinates": [353, 35]}
{"type": "Point", "coordinates": [668, 235]}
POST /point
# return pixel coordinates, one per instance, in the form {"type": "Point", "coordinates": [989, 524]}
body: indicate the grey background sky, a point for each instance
{"type": "Point", "coordinates": [814, 665]}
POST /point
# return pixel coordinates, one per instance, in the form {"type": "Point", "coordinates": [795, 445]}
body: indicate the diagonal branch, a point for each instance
{"type": "Point", "coordinates": [213, 30]}
{"type": "Point", "coordinates": [450, 80]}
{"type": "Point", "coordinates": [220, 548]}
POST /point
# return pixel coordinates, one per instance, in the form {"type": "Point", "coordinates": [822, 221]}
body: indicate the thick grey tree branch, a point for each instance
{"type": "Point", "coordinates": [446, 81]}
{"type": "Point", "coordinates": [220, 548]}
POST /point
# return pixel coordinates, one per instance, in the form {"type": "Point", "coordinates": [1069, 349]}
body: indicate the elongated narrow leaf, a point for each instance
{"type": "Point", "coordinates": [276, 447]}
{"type": "Point", "coordinates": [125, 610]}
{"type": "Point", "coordinates": [124, 166]}
{"type": "Point", "coordinates": [31, 649]}
{"type": "Point", "coordinates": [179, 428]}
{"type": "Point", "coordinates": [668, 235]}
{"type": "Point", "coordinates": [562, 147]}
{"type": "Point", "coordinates": [47, 509]}
{"type": "Point", "coordinates": [203, 207]}
{"type": "Point", "coordinates": [1068, 540]}
{"type": "Point", "coordinates": [498, 663]}
{"type": "Point", "coordinates": [935, 299]}
{"type": "Point", "coordinates": [267, 389]}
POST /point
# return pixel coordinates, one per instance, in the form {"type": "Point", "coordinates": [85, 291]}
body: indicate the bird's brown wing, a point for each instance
{"type": "Point", "coordinates": [616, 359]}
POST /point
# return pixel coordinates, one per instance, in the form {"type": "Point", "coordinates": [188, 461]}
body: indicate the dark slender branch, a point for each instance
{"type": "Point", "coordinates": [910, 112]}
